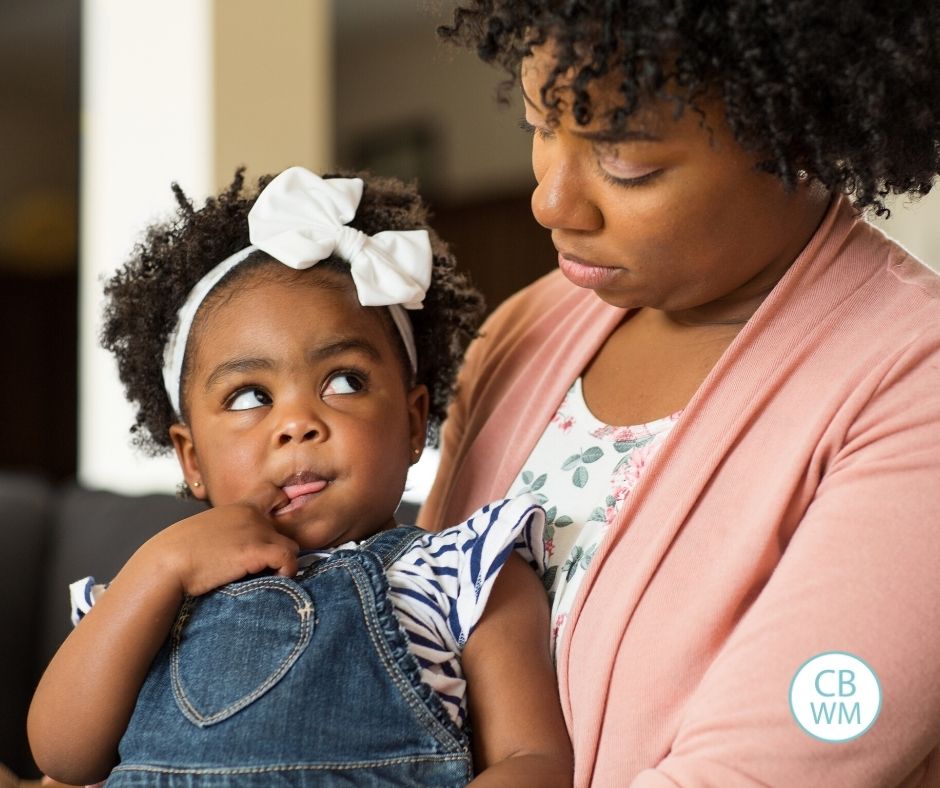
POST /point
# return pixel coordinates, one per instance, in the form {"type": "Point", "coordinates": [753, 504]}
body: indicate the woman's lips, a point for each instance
{"type": "Point", "coordinates": [299, 494]}
{"type": "Point", "coordinates": [582, 274]}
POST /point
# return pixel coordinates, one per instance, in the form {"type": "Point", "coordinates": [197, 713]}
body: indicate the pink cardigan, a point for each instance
{"type": "Point", "coordinates": [794, 509]}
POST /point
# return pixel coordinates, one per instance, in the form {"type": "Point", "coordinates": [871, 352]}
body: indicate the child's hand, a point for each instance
{"type": "Point", "coordinates": [219, 546]}
{"type": "Point", "coordinates": [87, 694]}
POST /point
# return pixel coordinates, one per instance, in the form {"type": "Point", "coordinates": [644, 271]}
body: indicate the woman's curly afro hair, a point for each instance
{"type": "Point", "coordinates": [144, 296]}
{"type": "Point", "coordinates": [846, 92]}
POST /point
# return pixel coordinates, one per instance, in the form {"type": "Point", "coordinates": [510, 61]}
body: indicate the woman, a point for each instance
{"type": "Point", "coordinates": [727, 396]}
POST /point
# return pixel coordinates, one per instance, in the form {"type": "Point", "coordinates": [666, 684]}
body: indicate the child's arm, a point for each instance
{"type": "Point", "coordinates": [87, 694]}
{"type": "Point", "coordinates": [519, 733]}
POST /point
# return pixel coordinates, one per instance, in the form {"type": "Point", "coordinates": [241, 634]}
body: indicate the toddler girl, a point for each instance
{"type": "Point", "coordinates": [292, 349]}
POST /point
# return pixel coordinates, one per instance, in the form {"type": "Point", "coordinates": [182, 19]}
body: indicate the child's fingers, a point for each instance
{"type": "Point", "coordinates": [286, 565]}
{"type": "Point", "coordinates": [270, 552]}
{"type": "Point", "coordinates": [223, 545]}
{"type": "Point", "coordinates": [282, 557]}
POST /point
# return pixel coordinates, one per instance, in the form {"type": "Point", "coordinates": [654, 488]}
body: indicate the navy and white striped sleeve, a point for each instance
{"type": "Point", "coordinates": [82, 596]}
{"type": "Point", "coordinates": [485, 542]}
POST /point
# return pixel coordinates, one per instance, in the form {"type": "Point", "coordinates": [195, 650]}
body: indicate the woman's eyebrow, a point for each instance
{"type": "Point", "coordinates": [615, 135]}
{"type": "Point", "coordinates": [609, 135]}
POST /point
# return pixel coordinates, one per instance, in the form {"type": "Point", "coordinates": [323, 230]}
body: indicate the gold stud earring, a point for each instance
{"type": "Point", "coordinates": [197, 484]}
{"type": "Point", "coordinates": [417, 452]}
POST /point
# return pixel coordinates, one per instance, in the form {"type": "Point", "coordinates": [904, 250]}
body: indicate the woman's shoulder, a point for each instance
{"type": "Point", "coordinates": [853, 290]}
{"type": "Point", "coordinates": [898, 305]}
{"type": "Point", "coordinates": [890, 278]}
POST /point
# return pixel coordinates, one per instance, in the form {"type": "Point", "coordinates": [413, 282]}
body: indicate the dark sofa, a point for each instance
{"type": "Point", "coordinates": [51, 535]}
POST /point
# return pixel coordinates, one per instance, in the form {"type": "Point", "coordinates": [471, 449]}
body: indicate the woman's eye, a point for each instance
{"type": "Point", "coordinates": [638, 180]}
{"type": "Point", "coordinates": [249, 398]}
{"type": "Point", "coordinates": [625, 173]}
{"type": "Point", "coordinates": [345, 383]}
{"type": "Point", "coordinates": [539, 131]}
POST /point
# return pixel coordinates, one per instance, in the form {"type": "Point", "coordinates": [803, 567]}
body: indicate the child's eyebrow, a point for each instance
{"type": "Point", "coordinates": [338, 346]}
{"type": "Point", "coordinates": [237, 366]}
{"type": "Point", "coordinates": [245, 364]}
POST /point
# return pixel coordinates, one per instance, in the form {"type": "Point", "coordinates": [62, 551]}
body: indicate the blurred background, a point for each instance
{"type": "Point", "coordinates": [104, 102]}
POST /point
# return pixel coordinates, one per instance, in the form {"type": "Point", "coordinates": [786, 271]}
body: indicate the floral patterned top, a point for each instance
{"type": "Point", "coordinates": [582, 470]}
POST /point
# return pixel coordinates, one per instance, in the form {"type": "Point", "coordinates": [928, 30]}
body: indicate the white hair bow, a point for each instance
{"type": "Point", "coordinates": [300, 219]}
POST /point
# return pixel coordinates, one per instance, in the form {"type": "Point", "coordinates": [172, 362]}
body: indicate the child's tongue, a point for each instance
{"type": "Point", "coordinates": [293, 491]}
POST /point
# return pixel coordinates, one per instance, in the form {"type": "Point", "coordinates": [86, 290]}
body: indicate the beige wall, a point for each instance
{"type": "Point", "coordinates": [385, 79]}
{"type": "Point", "coordinates": [272, 86]}
{"type": "Point", "coordinates": [916, 225]}
{"type": "Point", "coordinates": [180, 90]}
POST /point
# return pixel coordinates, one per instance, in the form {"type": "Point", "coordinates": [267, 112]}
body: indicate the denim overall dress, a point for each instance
{"type": "Point", "coordinates": [294, 681]}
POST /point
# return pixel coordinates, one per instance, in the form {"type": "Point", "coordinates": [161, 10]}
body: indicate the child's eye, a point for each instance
{"type": "Point", "coordinates": [246, 399]}
{"type": "Point", "coordinates": [345, 383]}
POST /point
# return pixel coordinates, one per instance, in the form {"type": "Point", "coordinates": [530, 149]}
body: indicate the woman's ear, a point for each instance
{"type": "Point", "coordinates": [419, 401]}
{"type": "Point", "coordinates": [182, 438]}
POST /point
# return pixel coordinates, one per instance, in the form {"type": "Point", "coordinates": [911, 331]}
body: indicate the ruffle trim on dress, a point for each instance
{"type": "Point", "coordinates": [397, 642]}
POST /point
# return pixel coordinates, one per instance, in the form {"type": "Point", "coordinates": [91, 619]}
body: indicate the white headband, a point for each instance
{"type": "Point", "coordinates": [300, 219]}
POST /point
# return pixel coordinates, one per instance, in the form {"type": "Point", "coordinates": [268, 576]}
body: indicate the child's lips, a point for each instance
{"type": "Point", "coordinates": [293, 491]}
{"type": "Point", "coordinates": [299, 491]}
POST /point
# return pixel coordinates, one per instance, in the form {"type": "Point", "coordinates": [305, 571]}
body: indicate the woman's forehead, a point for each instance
{"type": "Point", "coordinates": [668, 115]}
{"type": "Point", "coordinates": [605, 95]}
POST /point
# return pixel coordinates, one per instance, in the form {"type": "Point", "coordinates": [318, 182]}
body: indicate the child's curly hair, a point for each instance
{"type": "Point", "coordinates": [145, 295]}
{"type": "Point", "coordinates": [847, 93]}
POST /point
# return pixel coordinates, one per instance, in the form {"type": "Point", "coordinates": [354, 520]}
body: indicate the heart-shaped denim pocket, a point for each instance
{"type": "Point", "coordinates": [234, 644]}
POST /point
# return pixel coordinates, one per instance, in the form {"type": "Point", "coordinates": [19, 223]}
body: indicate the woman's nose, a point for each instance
{"type": "Point", "coordinates": [561, 200]}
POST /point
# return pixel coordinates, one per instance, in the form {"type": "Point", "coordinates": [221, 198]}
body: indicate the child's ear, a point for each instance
{"type": "Point", "coordinates": [419, 401]}
{"type": "Point", "coordinates": [182, 438]}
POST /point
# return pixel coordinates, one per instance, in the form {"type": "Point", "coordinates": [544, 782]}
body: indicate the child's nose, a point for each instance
{"type": "Point", "coordinates": [300, 424]}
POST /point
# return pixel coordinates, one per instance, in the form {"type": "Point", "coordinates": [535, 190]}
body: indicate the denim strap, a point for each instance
{"type": "Point", "coordinates": [389, 545]}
